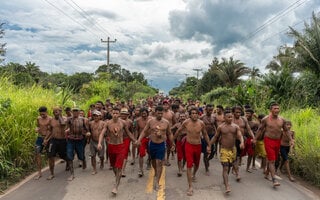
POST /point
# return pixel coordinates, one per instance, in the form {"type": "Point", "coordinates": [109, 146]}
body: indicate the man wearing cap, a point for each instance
{"type": "Point", "coordinates": [115, 129]}
{"type": "Point", "coordinates": [95, 128]}
{"type": "Point", "coordinates": [124, 114]}
{"type": "Point", "coordinates": [76, 131]}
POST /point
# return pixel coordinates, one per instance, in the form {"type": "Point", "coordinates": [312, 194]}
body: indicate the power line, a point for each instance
{"type": "Point", "coordinates": [70, 17]}
{"type": "Point", "coordinates": [274, 19]}
{"type": "Point", "coordinates": [84, 14]}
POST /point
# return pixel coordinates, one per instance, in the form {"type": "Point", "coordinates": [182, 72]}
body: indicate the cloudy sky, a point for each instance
{"type": "Point", "coordinates": [164, 39]}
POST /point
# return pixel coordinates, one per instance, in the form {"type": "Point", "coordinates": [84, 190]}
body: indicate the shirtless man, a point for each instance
{"type": "Point", "coordinates": [56, 139]}
{"type": "Point", "coordinates": [273, 126]}
{"type": "Point", "coordinates": [115, 129]}
{"type": "Point", "coordinates": [42, 129]}
{"type": "Point", "coordinates": [140, 124]}
{"type": "Point", "coordinates": [169, 115]}
{"type": "Point", "coordinates": [95, 128]}
{"type": "Point", "coordinates": [194, 127]}
{"type": "Point", "coordinates": [219, 115]}
{"type": "Point", "coordinates": [159, 130]}
{"type": "Point", "coordinates": [228, 132]}
{"type": "Point", "coordinates": [210, 123]}
{"type": "Point", "coordinates": [249, 149]}
{"type": "Point", "coordinates": [124, 115]}
{"type": "Point", "coordinates": [77, 129]}
{"type": "Point", "coordinates": [180, 139]}
{"type": "Point", "coordinates": [246, 131]}
{"type": "Point", "coordinates": [134, 117]}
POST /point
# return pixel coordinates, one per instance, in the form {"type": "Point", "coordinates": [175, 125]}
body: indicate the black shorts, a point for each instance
{"type": "Point", "coordinates": [57, 147]}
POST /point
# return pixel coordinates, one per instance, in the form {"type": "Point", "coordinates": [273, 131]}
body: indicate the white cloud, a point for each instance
{"type": "Point", "coordinates": [163, 39]}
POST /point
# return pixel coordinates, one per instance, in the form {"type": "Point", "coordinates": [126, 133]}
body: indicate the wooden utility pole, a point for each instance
{"type": "Point", "coordinates": [108, 48]}
{"type": "Point", "coordinates": [197, 70]}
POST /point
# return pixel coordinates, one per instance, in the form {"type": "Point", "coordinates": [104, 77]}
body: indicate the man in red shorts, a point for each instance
{"type": "Point", "coordinates": [140, 124]}
{"type": "Point", "coordinates": [194, 127]}
{"type": "Point", "coordinates": [273, 126]}
{"type": "Point", "coordinates": [115, 129]}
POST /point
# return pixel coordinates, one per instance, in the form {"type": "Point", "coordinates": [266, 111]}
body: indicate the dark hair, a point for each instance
{"type": "Point", "coordinates": [67, 109]}
{"type": "Point", "coordinates": [273, 104]}
{"type": "Point", "coordinates": [236, 108]}
{"type": "Point", "coordinates": [159, 108]}
{"type": "Point", "coordinates": [261, 116]}
{"type": "Point", "coordinates": [220, 106]}
{"type": "Point", "coordinates": [144, 109]}
{"type": "Point", "coordinates": [174, 106]}
{"type": "Point", "coordinates": [228, 110]}
{"type": "Point", "coordinates": [193, 108]}
{"type": "Point", "coordinates": [116, 108]}
{"type": "Point", "coordinates": [209, 106]}
{"type": "Point", "coordinates": [43, 109]}
{"type": "Point", "coordinates": [288, 122]}
{"type": "Point", "coordinates": [100, 102]}
{"type": "Point", "coordinates": [249, 110]}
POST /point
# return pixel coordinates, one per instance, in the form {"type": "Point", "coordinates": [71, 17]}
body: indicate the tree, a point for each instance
{"type": "Point", "coordinates": [307, 46]}
{"type": "Point", "coordinates": [2, 45]}
{"type": "Point", "coordinates": [230, 71]}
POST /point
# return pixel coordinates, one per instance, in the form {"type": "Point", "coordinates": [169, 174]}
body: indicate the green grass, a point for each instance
{"type": "Point", "coordinates": [306, 155]}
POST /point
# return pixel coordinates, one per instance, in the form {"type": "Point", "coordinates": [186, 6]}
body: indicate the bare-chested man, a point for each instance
{"type": "Point", "coordinates": [114, 130]}
{"type": "Point", "coordinates": [180, 143]}
{"type": "Point", "coordinates": [124, 115]}
{"type": "Point", "coordinates": [56, 139]}
{"type": "Point", "coordinates": [273, 126]}
{"type": "Point", "coordinates": [42, 129]}
{"type": "Point", "coordinates": [95, 128]}
{"type": "Point", "coordinates": [159, 130]}
{"type": "Point", "coordinates": [249, 148]}
{"type": "Point", "coordinates": [169, 115]}
{"type": "Point", "coordinates": [194, 127]}
{"type": "Point", "coordinates": [246, 131]}
{"type": "Point", "coordinates": [210, 122]}
{"type": "Point", "coordinates": [140, 124]}
{"type": "Point", "coordinates": [135, 115]}
{"type": "Point", "coordinates": [228, 132]}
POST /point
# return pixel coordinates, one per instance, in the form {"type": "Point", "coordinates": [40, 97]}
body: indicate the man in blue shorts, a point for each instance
{"type": "Point", "coordinates": [159, 129]}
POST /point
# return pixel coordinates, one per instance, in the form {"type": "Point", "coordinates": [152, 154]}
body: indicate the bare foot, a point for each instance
{"type": "Point", "coordinates": [228, 190]}
{"type": "Point", "coordinates": [275, 184]}
{"type": "Point", "coordinates": [194, 179]}
{"type": "Point", "coordinates": [114, 191]}
{"type": "Point", "coordinates": [207, 173]}
{"type": "Point", "coordinates": [140, 173]}
{"type": "Point", "coordinates": [94, 172]}
{"type": "Point", "coordinates": [101, 165]}
{"type": "Point", "coordinates": [179, 174]}
{"type": "Point", "coordinates": [249, 171]}
{"type": "Point", "coordinates": [254, 168]}
{"type": "Point", "coordinates": [168, 163]}
{"type": "Point", "coordinates": [71, 178]}
{"type": "Point", "coordinates": [38, 177]}
{"type": "Point", "coordinates": [190, 192]}
{"type": "Point", "coordinates": [267, 177]}
{"type": "Point", "coordinates": [123, 175]}
{"type": "Point", "coordinates": [291, 179]}
{"type": "Point", "coordinates": [50, 177]}
{"type": "Point", "coordinates": [156, 187]}
{"type": "Point", "coordinates": [238, 178]}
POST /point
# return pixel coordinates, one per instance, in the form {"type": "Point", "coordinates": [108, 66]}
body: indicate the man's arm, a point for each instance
{"type": "Point", "coordinates": [143, 132]}
{"type": "Point", "coordinates": [101, 136]}
{"type": "Point", "coordinates": [261, 130]}
{"type": "Point", "coordinates": [204, 132]}
{"type": "Point", "coordinates": [129, 133]}
{"type": "Point", "coordinates": [170, 135]}
{"type": "Point", "coordinates": [248, 127]}
{"type": "Point", "coordinates": [178, 132]}
{"type": "Point", "coordinates": [240, 137]}
{"type": "Point", "coordinates": [215, 137]}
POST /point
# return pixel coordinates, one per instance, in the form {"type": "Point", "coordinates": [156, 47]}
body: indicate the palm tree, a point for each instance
{"type": "Point", "coordinates": [254, 73]}
{"type": "Point", "coordinates": [307, 46]}
{"type": "Point", "coordinates": [230, 71]}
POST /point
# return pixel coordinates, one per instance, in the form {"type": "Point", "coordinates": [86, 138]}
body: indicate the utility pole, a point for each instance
{"type": "Point", "coordinates": [197, 70]}
{"type": "Point", "coordinates": [108, 48]}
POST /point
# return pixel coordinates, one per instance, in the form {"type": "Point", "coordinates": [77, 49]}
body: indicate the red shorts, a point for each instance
{"type": "Point", "coordinates": [193, 154]}
{"type": "Point", "coordinates": [143, 147]}
{"type": "Point", "coordinates": [272, 147]}
{"type": "Point", "coordinates": [248, 148]}
{"type": "Point", "coordinates": [126, 143]}
{"type": "Point", "coordinates": [116, 155]}
{"type": "Point", "coordinates": [180, 151]}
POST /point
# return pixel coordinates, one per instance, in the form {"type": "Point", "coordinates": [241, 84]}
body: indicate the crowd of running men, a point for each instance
{"type": "Point", "coordinates": [160, 127]}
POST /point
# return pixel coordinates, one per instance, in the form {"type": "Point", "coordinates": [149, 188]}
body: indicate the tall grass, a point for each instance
{"type": "Point", "coordinates": [18, 111]}
{"type": "Point", "coordinates": [306, 155]}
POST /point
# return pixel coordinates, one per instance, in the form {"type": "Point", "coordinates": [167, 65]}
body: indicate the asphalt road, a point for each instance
{"type": "Point", "coordinates": [85, 186]}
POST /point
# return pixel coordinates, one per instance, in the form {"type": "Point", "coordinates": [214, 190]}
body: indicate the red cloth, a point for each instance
{"type": "Point", "coordinates": [272, 147]}
{"type": "Point", "coordinates": [116, 155]}
{"type": "Point", "coordinates": [248, 148]}
{"type": "Point", "coordinates": [143, 147]}
{"type": "Point", "coordinates": [193, 154]}
{"type": "Point", "coordinates": [180, 151]}
{"type": "Point", "coordinates": [126, 143]}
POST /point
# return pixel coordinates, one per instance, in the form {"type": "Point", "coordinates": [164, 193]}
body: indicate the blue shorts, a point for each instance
{"type": "Point", "coordinates": [284, 151]}
{"type": "Point", "coordinates": [39, 145]}
{"type": "Point", "coordinates": [75, 146]}
{"type": "Point", "coordinates": [157, 151]}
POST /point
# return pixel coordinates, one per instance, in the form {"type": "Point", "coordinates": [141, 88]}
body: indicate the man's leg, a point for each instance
{"type": "Point", "coordinates": [271, 164]}
{"type": "Point", "coordinates": [118, 173]}
{"type": "Point", "coordinates": [158, 172]}
{"type": "Point", "coordinates": [51, 168]}
{"type": "Point", "coordinates": [189, 177]}
{"type": "Point", "coordinates": [94, 164]}
{"type": "Point", "coordinates": [225, 169]}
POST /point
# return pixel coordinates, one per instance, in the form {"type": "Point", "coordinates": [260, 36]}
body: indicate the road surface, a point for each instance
{"type": "Point", "coordinates": [85, 186]}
